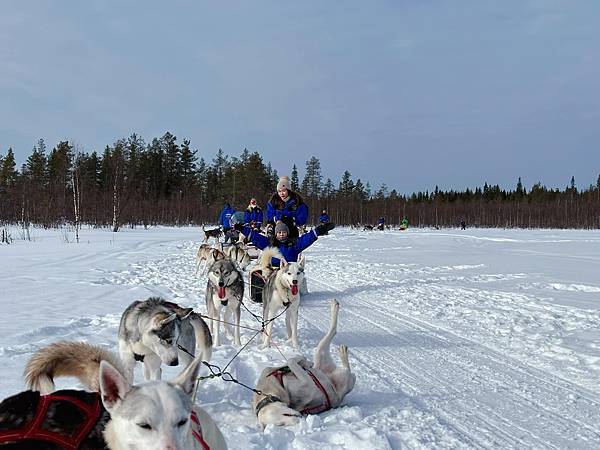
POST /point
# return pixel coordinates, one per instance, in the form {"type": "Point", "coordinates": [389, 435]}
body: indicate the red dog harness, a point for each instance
{"type": "Point", "coordinates": [281, 372]}
{"type": "Point", "coordinates": [197, 431]}
{"type": "Point", "coordinates": [33, 429]}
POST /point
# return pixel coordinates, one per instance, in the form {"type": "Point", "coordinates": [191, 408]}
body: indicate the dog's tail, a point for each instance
{"type": "Point", "coordinates": [266, 256]}
{"type": "Point", "coordinates": [204, 341]}
{"type": "Point", "coordinates": [75, 359]}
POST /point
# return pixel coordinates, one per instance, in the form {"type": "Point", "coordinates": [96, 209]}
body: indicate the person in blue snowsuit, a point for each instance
{"type": "Point", "coordinates": [287, 206]}
{"type": "Point", "coordinates": [324, 217]}
{"type": "Point", "coordinates": [253, 216]}
{"type": "Point", "coordinates": [290, 248]}
{"type": "Point", "coordinates": [381, 223]}
{"type": "Point", "coordinates": [225, 221]}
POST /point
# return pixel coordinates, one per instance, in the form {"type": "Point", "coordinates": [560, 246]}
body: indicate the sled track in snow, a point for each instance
{"type": "Point", "coordinates": [517, 406]}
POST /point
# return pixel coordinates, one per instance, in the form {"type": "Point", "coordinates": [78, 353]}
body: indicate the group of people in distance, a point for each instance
{"type": "Point", "coordinates": [286, 211]}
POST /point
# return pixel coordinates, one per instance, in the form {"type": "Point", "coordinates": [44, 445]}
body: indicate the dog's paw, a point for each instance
{"type": "Point", "coordinates": [335, 305]}
{"type": "Point", "coordinates": [343, 351]}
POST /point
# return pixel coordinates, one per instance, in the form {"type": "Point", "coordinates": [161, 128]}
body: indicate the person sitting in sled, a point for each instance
{"type": "Point", "coordinates": [289, 247]}
{"type": "Point", "coordinates": [253, 216]}
{"type": "Point", "coordinates": [287, 206]}
{"type": "Point", "coordinates": [324, 217]}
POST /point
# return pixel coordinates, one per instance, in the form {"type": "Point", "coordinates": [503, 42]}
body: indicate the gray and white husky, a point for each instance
{"type": "Point", "coordinates": [282, 290]}
{"type": "Point", "coordinates": [237, 254]}
{"type": "Point", "coordinates": [224, 290]}
{"type": "Point", "coordinates": [304, 387]}
{"type": "Point", "coordinates": [151, 330]}
{"type": "Point", "coordinates": [156, 415]}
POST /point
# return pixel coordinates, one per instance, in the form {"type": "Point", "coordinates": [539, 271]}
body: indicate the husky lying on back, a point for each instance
{"type": "Point", "coordinates": [282, 291]}
{"type": "Point", "coordinates": [151, 330]}
{"type": "Point", "coordinates": [150, 416]}
{"type": "Point", "coordinates": [309, 388]}
{"type": "Point", "coordinates": [224, 289]}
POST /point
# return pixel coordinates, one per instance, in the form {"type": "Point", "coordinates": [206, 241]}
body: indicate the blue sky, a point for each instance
{"type": "Point", "coordinates": [409, 93]}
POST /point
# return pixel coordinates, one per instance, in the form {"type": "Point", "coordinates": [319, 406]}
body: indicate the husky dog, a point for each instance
{"type": "Point", "coordinates": [282, 291]}
{"type": "Point", "coordinates": [368, 227]}
{"type": "Point", "coordinates": [151, 416]}
{"type": "Point", "coordinates": [208, 255]}
{"type": "Point", "coordinates": [150, 331]}
{"type": "Point", "coordinates": [215, 233]}
{"type": "Point", "coordinates": [309, 388]}
{"type": "Point", "coordinates": [224, 289]}
{"type": "Point", "coordinates": [237, 254]}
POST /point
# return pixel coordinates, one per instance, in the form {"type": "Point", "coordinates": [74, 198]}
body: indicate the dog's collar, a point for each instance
{"type": "Point", "coordinates": [266, 401]}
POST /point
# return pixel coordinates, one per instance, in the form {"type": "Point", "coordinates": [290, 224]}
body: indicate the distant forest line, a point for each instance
{"type": "Point", "coordinates": [165, 182]}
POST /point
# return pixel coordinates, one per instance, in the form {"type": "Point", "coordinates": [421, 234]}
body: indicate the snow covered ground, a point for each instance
{"type": "Point", "coordinates": [459, 339]}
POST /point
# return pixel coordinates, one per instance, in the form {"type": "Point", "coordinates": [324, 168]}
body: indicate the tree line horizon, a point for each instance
{"type": "Point", "coordinates": [165, 182]}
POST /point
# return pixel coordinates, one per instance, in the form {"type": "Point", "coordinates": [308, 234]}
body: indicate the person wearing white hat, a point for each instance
{"type": "Point", "coordinates": [287, 206]}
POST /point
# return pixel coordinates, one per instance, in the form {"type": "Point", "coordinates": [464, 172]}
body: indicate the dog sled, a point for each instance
{"type": "Point", "coordinates": [257, 282]}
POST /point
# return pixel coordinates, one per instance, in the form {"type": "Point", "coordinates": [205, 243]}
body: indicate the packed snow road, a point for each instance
{"type": "Point", "coordinates": [459, 339]}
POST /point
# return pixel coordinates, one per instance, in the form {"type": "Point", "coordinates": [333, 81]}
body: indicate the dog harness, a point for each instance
{"type": "Point", "coordinates": [197, 431]}
{"type": "Point", "coordinates": [280, 373]}
{"type": "Point", "coordinates": [33, 430]}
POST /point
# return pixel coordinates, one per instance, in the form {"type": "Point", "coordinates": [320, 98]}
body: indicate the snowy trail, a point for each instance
{"type": "Point", "coordinates": [486, 398]}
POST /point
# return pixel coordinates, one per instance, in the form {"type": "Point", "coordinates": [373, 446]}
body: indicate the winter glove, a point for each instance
{"type": "Point", "coordinates": [324, 228]}
{"type": "Point", "coordinates": [238, 227]}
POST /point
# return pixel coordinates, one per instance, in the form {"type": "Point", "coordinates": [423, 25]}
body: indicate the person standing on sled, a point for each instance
{"type": "Point", "coordinates": [225, 220]}
{"type": "Point", "coordinates": [287, 206]}
{"type": "Point", "coordinates": [381, 223]}
{"type": "Point", "coordinates": [253, 216]}
{"type": "Point", "coordinates": [289, 247]}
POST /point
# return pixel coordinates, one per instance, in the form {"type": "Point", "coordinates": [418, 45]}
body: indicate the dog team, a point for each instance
{"type": "Point", "coordinates": [118, 414]}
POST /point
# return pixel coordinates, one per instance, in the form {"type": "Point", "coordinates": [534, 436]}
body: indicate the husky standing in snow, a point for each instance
{"type": "Point", "coordinates": [309, 387]}
{"type": "Point", "coordinates": [224, 289]}
{"type": "Point", "coordinates": [151, 416]}
{"type": "Point", "coordinates": [282, 290]}
{"type": "Point", "coordinates": [236, 253]}
{"type": "Point", "coordinates": [208, 255]}
{"type": "Point", "coordinates": [151, 330]}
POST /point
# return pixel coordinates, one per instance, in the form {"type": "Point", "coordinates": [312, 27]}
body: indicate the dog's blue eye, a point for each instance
{"type": "Point", "coordinates": [145, 426]}
{"type": "Point", "coordinates": [182, 422]}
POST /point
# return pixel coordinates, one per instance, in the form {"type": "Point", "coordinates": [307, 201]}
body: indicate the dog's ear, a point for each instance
{"type": "Point", "coordinates": [301, 262]}
{"type": "Point", "coordinates": [113, 385]}
{"type": "Point", "coordinates": [184, 313]}
{"type": "Point", "coordinates": [283, 263]}
{"type": "Point", "coordinates": [167, 320]}
{"type": "Point", "coordinates": [186, 380]}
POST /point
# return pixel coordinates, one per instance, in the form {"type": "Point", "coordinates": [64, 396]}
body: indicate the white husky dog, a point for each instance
{"type": "Point", "coordinates": [309, 388]}
{"type": "Point", "coordinates": [153, 330]}
{"type": "Point", "coordinates": [282, 290]}
{"type": "Point", "coordinates": [156, 415]}
{"type": "Point", "coordinates": [224, 290]}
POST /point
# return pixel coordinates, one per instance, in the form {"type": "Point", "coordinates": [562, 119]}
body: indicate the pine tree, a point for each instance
{"type": "Point", "coordinates": [328, 189]}
{"type": "Point", "coordinates": [346, 187]}
{"type": "Point", "coordinates": [294, 181]}
{"type": "Point", "coordinates": [8, 171]}
{"type": "Point", "coordinates": [312, 182]}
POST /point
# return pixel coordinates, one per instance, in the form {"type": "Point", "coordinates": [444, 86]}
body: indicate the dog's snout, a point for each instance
{"type": "Point", "coordinates": [174, 362]}
{"type": "Point", "coordinates": [295, 282]}
{"type": "Point", "coordinates": [221, 284]}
